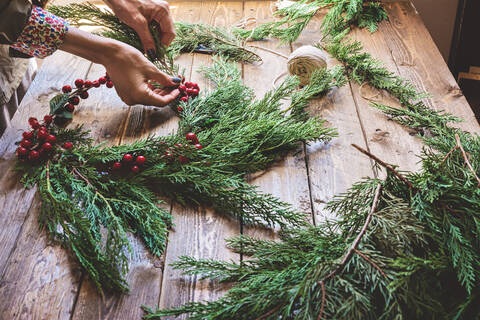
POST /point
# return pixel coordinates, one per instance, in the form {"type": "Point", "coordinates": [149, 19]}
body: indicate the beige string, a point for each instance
{"type": "Point", "coordinates": [304, 61]}
{"type": "Point", "coordinates": [372, 98]}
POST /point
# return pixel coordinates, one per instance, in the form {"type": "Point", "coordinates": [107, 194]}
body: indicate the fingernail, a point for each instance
{"type": "Point", "coordinates": [176, 80]}
{"type": "Point", "coordinates": [151, 54]}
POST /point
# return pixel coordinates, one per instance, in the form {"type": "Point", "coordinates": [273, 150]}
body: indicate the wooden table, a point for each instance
{"type": "Point", "coordinates": [38, 280]}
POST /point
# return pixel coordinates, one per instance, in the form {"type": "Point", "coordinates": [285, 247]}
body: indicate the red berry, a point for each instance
{"type": "Point", "coordinates": [84, 95]}
{"type": "Point", "coordinates": [48, 119]}
{"type": "Point", "coordinates": [195, 86]}
{"type": "Point", "coordinates": [21, 151]}
{"type": "Point", "coordinates": [35, 125]}
{"type": "Point", "coordinates": [192, 137]}
{"type": "Point", "coordinates": [74, 100]}
{"type": "Point", "coordinates": [42, 134]}
{"type": "Point", "coordinates": [32, 120]}
{"type": "Point", "coordinates": [66, 89]}
{"type": "Point", "coordinates": [79, 83]}
{"type": "Point", "coordinates": [184, 99]}
{"type": "Point", "coordinates": [116, 166]}
{"type": "Point", "coordinates": [51, 138]}
{"type": "Point", "coordinates": [190, 91]}
{"type": "Point", "coordinates": [68, 145]}
{"type": "Point", "coordinates": [87, 84]}
{"type": "Point", "coordinates": [140, 160]}
{"type": "Point", "coordinates": [182, 88]}
{"type": "Point", "coordinates": [198, 146]}
{"type": "Point", "coordinates": [189, 84]}
{"type": "Point", "coordinates": [28, 135]}
{"type": "Point", "coordinates": [183, 159]}
{"type": "Point", "coordinates": [179, 109]}
{"type": "Point", "coordinates": [69, 107]}
{"type": "Point", "coordinates": [102, 80]}
{"type": "Point", "coordinates": [135, 169]}
{"type": "Point", "coordinates": [26, 143]}
{"type": "Point", "coordinates": [47, 146]}
{"type": "Point", "coordinates": [33, 155]}
{"type": "Point", "coordinates": [127, 157]}
{"type": "Point", "coordinates": [194, 92]}
{"type": "Point", "coordinates": [96, 83]}
{"type": "Point", "coordinates": [109, 84]}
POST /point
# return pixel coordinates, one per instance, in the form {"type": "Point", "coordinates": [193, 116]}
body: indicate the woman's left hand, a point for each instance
{"type": "Point", "coordinates": [139, 13]}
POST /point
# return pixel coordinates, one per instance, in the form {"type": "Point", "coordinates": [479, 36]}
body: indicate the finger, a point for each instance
{"type": "Point", "coordinates": [165, 21]}
{"type": "Point", "coordinates": [152, 98]}
{"type": "Point", "coordinates": [140, 25]}
{"type": "Point", "coordinates": [162, 78]}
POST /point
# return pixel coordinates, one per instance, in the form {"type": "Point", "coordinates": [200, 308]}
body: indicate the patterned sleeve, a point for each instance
{"type": "Point", "coordinates": [42, 35]}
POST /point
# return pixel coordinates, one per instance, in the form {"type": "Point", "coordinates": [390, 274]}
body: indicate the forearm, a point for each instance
{"type": "Point", "coordinates": [89, 46]}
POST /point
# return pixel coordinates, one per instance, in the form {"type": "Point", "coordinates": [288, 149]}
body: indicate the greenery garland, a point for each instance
{"type": "Point", "coordinates": [352, 267]}
{"type": "Point", "coordinates": [82, 191]}
{"type": "Point", "coordinates": [405, 247]}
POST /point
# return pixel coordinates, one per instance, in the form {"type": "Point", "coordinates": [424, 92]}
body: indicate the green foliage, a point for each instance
{"type": "Point", "coordinates": [295, 17]}
{"type": "Point", "coordinates": [419, 257]}
{"type": "Point", "coordinates": [190, 37]}
{"type": "Point", "coordinates": [90, 209]}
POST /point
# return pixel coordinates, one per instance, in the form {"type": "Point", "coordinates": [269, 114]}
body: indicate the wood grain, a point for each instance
{"type": "Point", "coordinates": [38, 280]}
{"type": "Point", "coordinates": [392, 142]}
{"type": "Point", "coordinates": [419, 60]}
{"type": "Point", "coordinates": [333, 166]}
{"type": "Point", "coordinates": [199, 232]}
{"type": "Point", "coordinates": [287, 179]}
{"type": "Point", "coordinates": [143, 275]}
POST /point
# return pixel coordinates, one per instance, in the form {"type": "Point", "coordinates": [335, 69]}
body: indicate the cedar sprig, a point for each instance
{"type": "Point", "coordinates": [295, 17]}
{"type": "Point", "coordinates": [89, 208]}
{"type": "Point", "coordinates": [190, 37]}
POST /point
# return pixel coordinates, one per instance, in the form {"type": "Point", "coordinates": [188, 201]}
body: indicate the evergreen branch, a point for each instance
{"type": "Point", "coordinates": [464, 154]}
{"type": "Point", "coordinates": [384, 164]}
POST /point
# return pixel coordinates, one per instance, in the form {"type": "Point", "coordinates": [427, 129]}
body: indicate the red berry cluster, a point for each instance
{"type": "Point", "coordinates": [128, 161]}
{"type": "Point", "coordinates": [39, 142]}
{"type": "Point", "coordinates": [188, 90]}
{"type": "Point", "coordinates": [82, 90]}
{"type": "Point", "coordinates": [177, 150]}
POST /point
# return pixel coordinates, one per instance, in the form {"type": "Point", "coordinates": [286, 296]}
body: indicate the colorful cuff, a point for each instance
{"type": "Point", "coordinates": [42, 35]}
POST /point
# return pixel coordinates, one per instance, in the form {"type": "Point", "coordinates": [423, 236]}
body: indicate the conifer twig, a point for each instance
{"type": "Point", "coordinates": [376, 266]}
{"type": "Point", "coordinates": [353, 247]}
{"type": "Point", "coordinates": [459, 144]}
{"type": "Point", "coordinates": [384, 164]}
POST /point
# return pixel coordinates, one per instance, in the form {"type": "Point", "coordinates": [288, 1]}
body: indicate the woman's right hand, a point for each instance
{"type": "Point", "coordinates": [128, 68]}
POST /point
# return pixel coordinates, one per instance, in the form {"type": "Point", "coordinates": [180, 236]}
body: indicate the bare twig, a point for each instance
{"type": "Point", "coordinates": [264, 316]}
{"type": "Point", "coordinates": [353, 247]}
{"type": "Point", "coordinates": [385, 165]}
{"type": "Point", "coordinates": [449, 154]}
{"type": "Point", "coordinates": [323, 301]}
{"type": "Point", "coordinates": [469, 165]}
{"type": "Point", "coordinates": [376, 266]}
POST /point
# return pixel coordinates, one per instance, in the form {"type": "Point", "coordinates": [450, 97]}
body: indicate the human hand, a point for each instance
{"type": "Point", "coordinates": [128, 68]}
{"type": "Point", "coordinates": [139, 13]}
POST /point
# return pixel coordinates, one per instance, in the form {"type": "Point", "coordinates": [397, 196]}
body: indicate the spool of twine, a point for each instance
{"type": "Point", "coordinates": [303, 61]}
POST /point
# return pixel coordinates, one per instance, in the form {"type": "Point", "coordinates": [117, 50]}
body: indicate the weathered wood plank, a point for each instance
{"type": "Point", "coordinates": [419, 60]}
{"type": "Point", "coordinates": [38, 280]}
{"type": "Point", "coordinates": [199, 232]}
{"type": "Point", "coordinates": [392, 142]}
{"type": "Point", "coordinates": [143, 271]}
{"type": "Point", "coordinates": [287, 179]}
{"type": "Point", "coordinates": [334, 166]}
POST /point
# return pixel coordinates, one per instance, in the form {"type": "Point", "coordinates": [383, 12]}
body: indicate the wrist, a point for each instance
{"type": "Point", "coordinates": [91, 47]}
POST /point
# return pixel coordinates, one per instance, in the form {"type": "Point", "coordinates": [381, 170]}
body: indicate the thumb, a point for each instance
{"type": "Point", "coordinates": [162, 78]}
{"type": "Point", "coordinates": [141, 28]}
{"type": "Point", "coordinates": [153, 98]}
